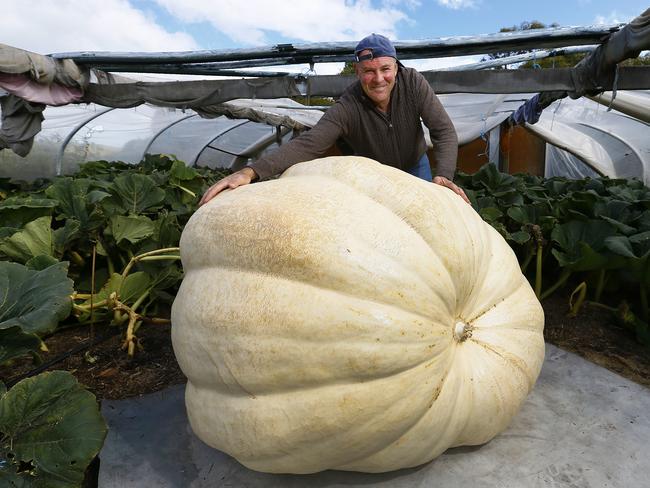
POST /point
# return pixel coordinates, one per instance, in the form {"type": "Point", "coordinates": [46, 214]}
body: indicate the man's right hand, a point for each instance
{"type": "Point", "coordinates": [242, 177]}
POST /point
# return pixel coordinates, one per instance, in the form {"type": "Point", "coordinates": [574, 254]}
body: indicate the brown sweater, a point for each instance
{"type": "Point", "coordinates": [395, 138]}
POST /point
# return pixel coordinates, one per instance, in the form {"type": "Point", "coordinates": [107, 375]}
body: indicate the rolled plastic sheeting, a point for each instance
{"type": "Point", "coordinates": [610, 142]}
{"type": "Point", "coordinates": [633, 103]}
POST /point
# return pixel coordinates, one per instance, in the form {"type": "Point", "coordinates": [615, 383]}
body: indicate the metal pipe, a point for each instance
{"type": "Point", "coordinates": [64, 144]}
{"type": "Point", "coordinates": [439, 47]}
{"type": "Point", "coordinates": [196, 158]}
{"type": "Point", "coordinates": [155, 136]}
{"type": "Point", "coordinates": [520, 58]}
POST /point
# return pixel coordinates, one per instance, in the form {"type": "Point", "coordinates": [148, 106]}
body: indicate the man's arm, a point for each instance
{"type": "Point", "coordinates": [441, 129]}
{"type": "Point", "coordinates": [443, 136]}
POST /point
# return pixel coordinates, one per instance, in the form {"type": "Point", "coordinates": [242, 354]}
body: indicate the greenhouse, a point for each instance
{"type": "Point", "coordinates": [344, 323]}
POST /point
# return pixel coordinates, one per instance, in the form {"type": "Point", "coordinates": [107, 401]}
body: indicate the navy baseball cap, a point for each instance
{"type": "Point", "coordinates": [378, 46]}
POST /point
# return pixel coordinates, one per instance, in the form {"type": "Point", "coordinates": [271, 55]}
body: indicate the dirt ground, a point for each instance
{"type": "Point", "coordinates": [109, 373]}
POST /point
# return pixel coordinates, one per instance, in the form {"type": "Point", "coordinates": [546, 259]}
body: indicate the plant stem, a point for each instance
{"type": "Point", "coordinates": [566, 272]}
{"type": "Point", "coordinates": [644, 301]}
{"type": "Point", "coordinates": [538, 271]}
{"type": "Point", "coordinates": [527, 259]}
{"type": "Point", "coordinates": [189, 192]}
{"type": "Point", "coordinates": [600, 285]}
{"type": "Point", "coordinates": [139, 301]}
{"type": "Point", "coordinates": [601, 305]}
{"type": "Point", "coordinates": [81, 296]}
{"type": "Point", "coordinates": [111, 266]}
{"type": "Point", "coordinates": [581, 290]}
{"type": "Point", "coordinates": [139, 257]}
{"type": "Point", "coordinates": [85, 308]}
{"type": "Point", "coordinates": [161, 258]}
{"type": "Point", "coordinates": [156, 321]}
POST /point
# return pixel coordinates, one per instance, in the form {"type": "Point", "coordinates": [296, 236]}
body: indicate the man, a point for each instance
{"type": "Point", "coordinates": [378, 117]}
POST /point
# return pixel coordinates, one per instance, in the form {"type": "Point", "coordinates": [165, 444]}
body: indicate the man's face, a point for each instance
{"type": "Point", "coordinates": [377, 77]}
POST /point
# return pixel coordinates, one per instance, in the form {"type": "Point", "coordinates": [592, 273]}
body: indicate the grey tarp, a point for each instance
{"type": "Point", "coordinates": [599, 68]}
{"type": "Point", "coordinates": [282, 111]}
{"type": "Point", "coordinates": [599, 71]}
{"type": "Point", "coordinates": [43, 69]}
{"type": "Point", "coordinates": [21, 121]}
{"type": "Point", "coordinates": [199, 94]}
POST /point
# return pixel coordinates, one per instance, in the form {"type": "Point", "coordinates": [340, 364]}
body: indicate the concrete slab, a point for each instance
{"type": "Point", "coordinates": [581, 427]}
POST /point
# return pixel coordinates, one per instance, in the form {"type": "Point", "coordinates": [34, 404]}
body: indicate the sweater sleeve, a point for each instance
{"type": "Point", "coordinates": [441, 129]}
{"type": "Point", "coordinates": [309, 145]}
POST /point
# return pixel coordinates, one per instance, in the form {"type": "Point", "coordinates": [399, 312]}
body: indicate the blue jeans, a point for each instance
{"type": "Point", "coordinates": [422, 169]}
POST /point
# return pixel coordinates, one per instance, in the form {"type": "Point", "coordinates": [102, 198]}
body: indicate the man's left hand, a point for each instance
{"type": "Point", "coordinates": [441, 180]}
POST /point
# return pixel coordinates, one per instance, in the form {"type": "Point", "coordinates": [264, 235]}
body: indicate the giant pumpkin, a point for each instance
{"type": "Point", "coordinates": [350, 316]}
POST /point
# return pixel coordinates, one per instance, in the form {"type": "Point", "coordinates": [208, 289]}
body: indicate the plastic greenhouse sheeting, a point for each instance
{"type": "Point", "coordinates": [583, 137]}
{"type": "Point", "coordinates": [74, 134]}
{"type": "Point", "coordinates": [588, 139]}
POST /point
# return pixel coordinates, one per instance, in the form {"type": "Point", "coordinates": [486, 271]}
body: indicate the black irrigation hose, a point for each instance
{"type": "Point", "coordinates": [81, 347]}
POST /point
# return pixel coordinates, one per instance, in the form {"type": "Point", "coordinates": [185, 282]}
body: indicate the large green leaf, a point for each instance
{"type": "Point", "coordinates": [133, 228]}
{"type": "Point", "coordinates": [584, 258]}
{"type": "Point", "coordinates": [75, 201]}
{"type": "Point", "coordinates": [36, 301]}
{"type": "Point", "coordinates": [52, 429]}
{"type": "Point", "coordinates": [627, 192]}
{"type": "Point", "coordinates": [128, 289]}
{"type": "Point", "coordinates": [15, 343]}
{"type": "Point", "coordinates": [35, 239]}
{"type": "Point", "coordinates": [491, 179]}
{"type": "Point", "coordinates": [17, 211]}
{"type": "Point", "coordinates": [182, 172]}
{"type": "Point", "coordinates": [64, 236]}
{"type": "Point", "coordinates": [41, 262]}
{"type": "Point", "coordinates": [491, 214]}
{"type": "Point", "coordinates": [580, 244]}
{"type": "Point", "coordinates": [643, 221]}
{"type": "Point", "coordinates": [137, 193]}
{"type": "Point", "coordinates": [529, 214]}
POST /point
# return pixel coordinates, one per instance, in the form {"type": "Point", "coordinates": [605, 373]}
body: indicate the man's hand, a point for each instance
{"type": "Point", "coordinates": [242, 177]}
{"type": "Point", "coordinates": [441, 180]}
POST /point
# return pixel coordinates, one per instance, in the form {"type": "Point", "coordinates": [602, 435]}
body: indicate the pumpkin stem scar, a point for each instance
{"type": "Point", "coordinates": [462, 331]}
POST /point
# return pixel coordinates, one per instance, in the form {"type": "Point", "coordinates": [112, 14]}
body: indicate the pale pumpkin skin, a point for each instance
{"type": "Point", "coordinates": [350, 316]}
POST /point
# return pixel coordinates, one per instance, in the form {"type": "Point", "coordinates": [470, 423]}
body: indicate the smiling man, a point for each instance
{"type": "Point", "coordinates": [379, 117]}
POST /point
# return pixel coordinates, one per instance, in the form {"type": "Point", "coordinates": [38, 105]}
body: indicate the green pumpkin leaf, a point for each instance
{"type": "Point", "coordinates": [520, 237]}
{"type": "Point", "coordinates": [620, 245]}
{"type": "Point", "coordinates": [73, 199]}
{"type": "Point", "coordinates": [53, 425]}
{"type": "Point", "coordinates": [620, 226]}
{"type": "Point", "coordinates": [95, 196]}
{"type": "Point", "coordinates": [15, 343]}
{"type": "Point", "coordinates": [64, 236]}
{"type": "Point", "coordinates": [7, 231]}
{"type": "Point", "coordinates": [41, 262]}
{"type": "Point", "coordinates": [180, 171]}
{"type": "Point", "coordinates": [137, 193]}
{"type": "Point", "coordinates": [34, 300]}
{"type": "Point", "coordinates": [18, 210]}
{"type": "Point", "coordinates": [128, 290]}
{"type": "Point", "coordinates": [33, 240]}
{"type": "Point", "coordinates": [132, 228]}
{"type": "Point", "coordinates": [491, 214]}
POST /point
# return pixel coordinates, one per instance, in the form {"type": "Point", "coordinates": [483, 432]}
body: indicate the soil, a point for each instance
{"type": "Point", "coordinates": [109, 373]}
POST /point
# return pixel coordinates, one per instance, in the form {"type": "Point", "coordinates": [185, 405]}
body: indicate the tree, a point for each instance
{"type": "Point", "coordinates": [348, 69]}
